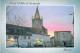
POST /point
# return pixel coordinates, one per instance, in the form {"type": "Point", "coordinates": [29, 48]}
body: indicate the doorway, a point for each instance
{"type": "Point", "coordinates": [64, 43]}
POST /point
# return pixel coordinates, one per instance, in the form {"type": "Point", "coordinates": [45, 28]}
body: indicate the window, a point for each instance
{"type": "Point", "coordinates": [14, 37]}
{"type": "Point", "coordinates": [9, 37]}
{"type": "Point", "coordinates": [63, 35]}
{"type": "Point", "coordinates": [24, 37]}
{"type": "Point", "coordinates": [28, 37]}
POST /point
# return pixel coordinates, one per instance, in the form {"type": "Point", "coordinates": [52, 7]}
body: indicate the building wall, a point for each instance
{"type": "Point", "coordinates": [72, 40]}
{"type": "Point", "coordinates": [29, 39]}
{"type": "Point", "coordinates": [52, 41]}
{"type": "Point", "coordinates": [46, 38]}
{"type": "Point", "coordinates": [61, 37]}
{"type": "Point", "coordinates": [23, 39]}
{"type": "Point", "coordinates": [9, 43]}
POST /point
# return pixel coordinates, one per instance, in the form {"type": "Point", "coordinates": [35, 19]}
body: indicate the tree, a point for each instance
{"type": "Point", "coordinates": [8, 12]}
{"type": "Point", "coordinates": [17, 20]}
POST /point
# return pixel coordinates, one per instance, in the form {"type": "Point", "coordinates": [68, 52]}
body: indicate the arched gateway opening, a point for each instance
{"type": "Point", "coordinates": [64, 43]}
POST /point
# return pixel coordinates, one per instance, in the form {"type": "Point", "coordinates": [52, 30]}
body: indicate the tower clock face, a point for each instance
{"type": "Point", "coordinates": [36, 24]}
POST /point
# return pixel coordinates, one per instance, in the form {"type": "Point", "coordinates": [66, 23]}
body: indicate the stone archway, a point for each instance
{"type": "Point", "coordinates": [64, 43]}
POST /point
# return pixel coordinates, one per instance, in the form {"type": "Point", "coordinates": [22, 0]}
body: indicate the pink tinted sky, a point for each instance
{"type": "Point", "coordinates": [55, 18]}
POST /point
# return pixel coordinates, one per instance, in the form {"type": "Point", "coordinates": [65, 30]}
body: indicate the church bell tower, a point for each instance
{"type": "Point", "coordinates": [37, 22]}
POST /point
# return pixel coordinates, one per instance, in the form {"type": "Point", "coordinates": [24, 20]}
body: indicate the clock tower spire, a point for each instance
{"type": "Point", "coordinates": [37, 16]}
{"type": "Point", "coordinates": [37, 22]}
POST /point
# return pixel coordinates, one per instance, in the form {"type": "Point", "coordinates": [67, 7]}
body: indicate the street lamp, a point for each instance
{"type": "Point", "coordinates": [11, 39]}
{"type": "Point", "coordinates": [73, 17]}
{"type": "Point", "coordinates": [73, 20]}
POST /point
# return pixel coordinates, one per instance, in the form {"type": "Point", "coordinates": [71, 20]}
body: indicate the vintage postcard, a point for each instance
{"type": "Point", "coordinates": [50, 26]}
{"type": "Point", "coordinates": [39, 26]}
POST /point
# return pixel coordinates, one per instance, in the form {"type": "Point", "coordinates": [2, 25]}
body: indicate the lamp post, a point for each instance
{"type": "Point", "coordinates": [73, 21]}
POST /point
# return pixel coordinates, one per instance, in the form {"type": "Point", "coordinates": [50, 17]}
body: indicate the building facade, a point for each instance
{"type": "Point", "coordinates": [27, 35]}
{"type": "Point", "coordinates": [52, 41]}
{"type": "Point", "coordinates": [62, 38]}
{"type": "Point", "coordinates": [45, 39]}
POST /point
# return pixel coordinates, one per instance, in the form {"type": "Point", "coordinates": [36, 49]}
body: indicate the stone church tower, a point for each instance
{"type": "Point", "coordinates": [37, 22]}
